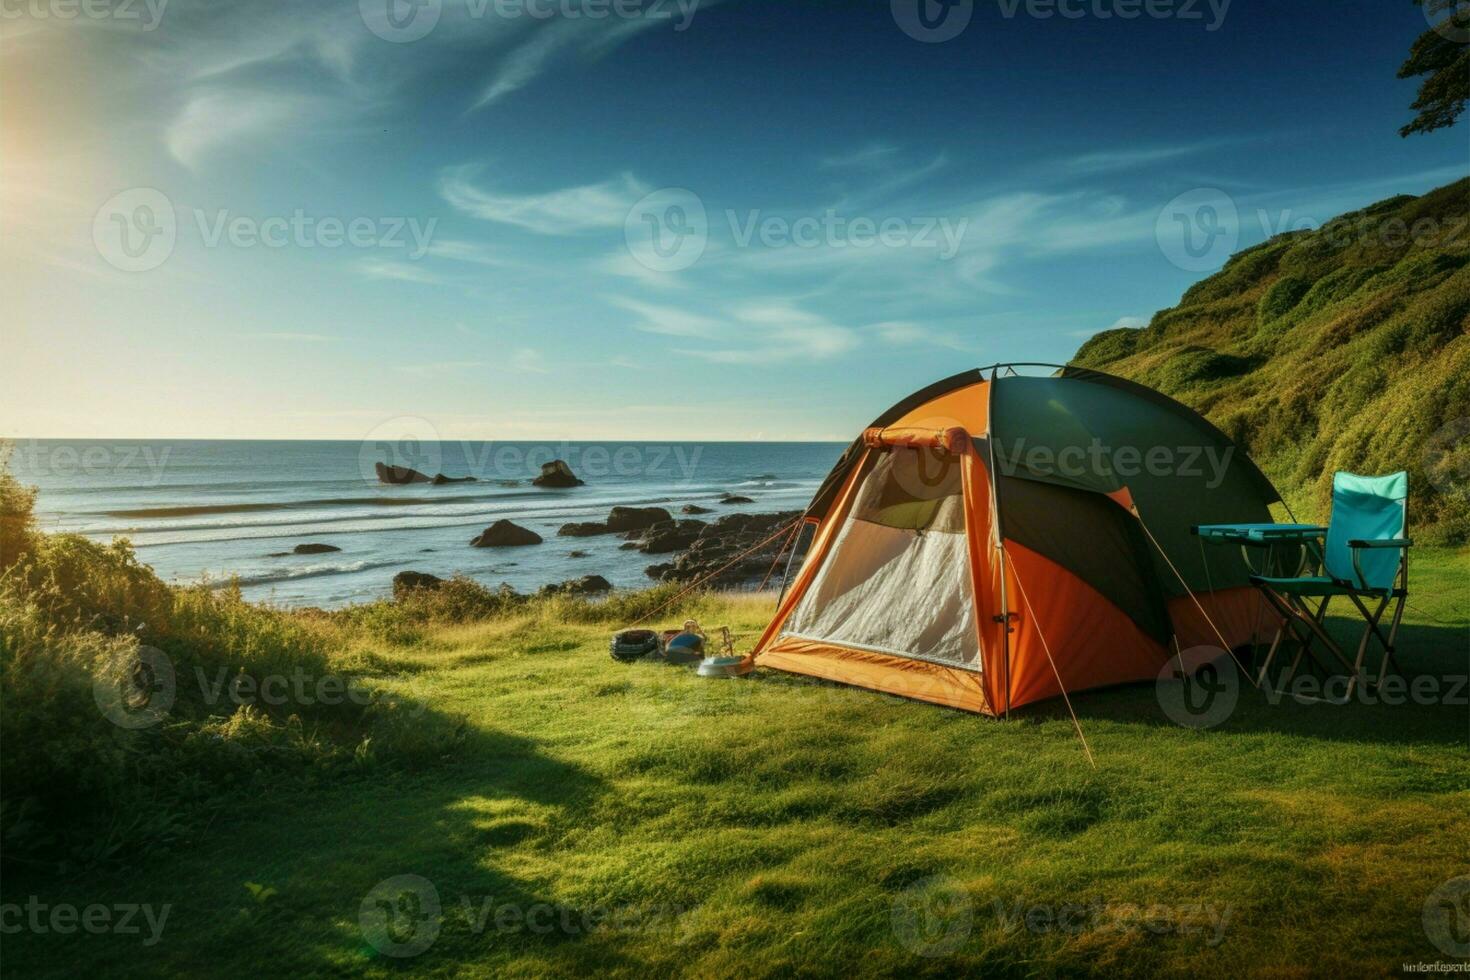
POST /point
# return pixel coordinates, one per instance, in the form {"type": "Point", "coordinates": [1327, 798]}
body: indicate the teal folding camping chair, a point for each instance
{"type": "Point", "coordinates": [1365, 558]}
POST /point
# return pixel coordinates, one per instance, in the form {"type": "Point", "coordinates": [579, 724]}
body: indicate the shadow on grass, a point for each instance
{"type": "Point", "coordinates": [1434, 660]}
{"type": "Point", "coordinates": [386, 871]}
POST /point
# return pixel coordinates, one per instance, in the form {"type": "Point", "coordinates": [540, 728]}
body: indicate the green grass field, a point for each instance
{"type": "Point", "coordinates": [636, 820]}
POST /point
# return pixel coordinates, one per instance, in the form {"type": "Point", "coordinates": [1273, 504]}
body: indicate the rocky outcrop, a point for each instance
{"type": "Point", "coordinates": [314, 549]}
{"type": "Point", "coordinates": [624, 519]}
{"type": "Point", "coordinates": [401, 475]}
{"type": "Point", "coordinates": [585, 529]}
{"type": "Point", "coordinates": [669, 536]}
{"type": "Point", "coordinates": [557, 475]}
{"type": "Point", "coordinates": [504, 534]}
{"type": "Point", "coordinates": [636, 518]}
{"type": "Point", "coordinates": [586, 585]}
{"type": "Point", "coordinates": [407, 582]}
{"type": "Point", "coordinates": [719, 543]}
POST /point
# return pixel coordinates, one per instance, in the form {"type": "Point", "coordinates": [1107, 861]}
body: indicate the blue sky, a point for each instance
{"type": "Point", "coordinates": [878, 210]}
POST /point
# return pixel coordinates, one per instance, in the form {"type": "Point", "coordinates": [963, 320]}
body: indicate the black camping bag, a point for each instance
{"type": "Point", "coordinates": [630, 645]}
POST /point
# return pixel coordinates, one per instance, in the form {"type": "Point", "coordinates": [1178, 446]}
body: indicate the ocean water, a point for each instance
{"type": "Point", "coordinates": [225, 509]}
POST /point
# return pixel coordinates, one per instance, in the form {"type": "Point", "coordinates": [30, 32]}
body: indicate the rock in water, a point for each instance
{"type": "Point", "coordinates": [398, 475]}
{"type": "Point", "coordinates": [662, 538]}
{"type": "Point", "coordinates": [406, 582]}
{"type": "Point", "coordinates": [504, 534]}
{"type": "Point", "coordinates": [636, 518]}
{"type": "Point", "coordinates": [556, 474]}
{"type": "Point", "coordinates": [585, 529]}
{"type": "Point", "coordinates": [717, 544]}
{"type": "Point", "coordinates": [735, 498]}
{"type": "Point", "coordinates": [314, 549]}
{"type": "Point", "coordinates": [694, 509]}
{"type": "Point", "coordinates": [586, 585]}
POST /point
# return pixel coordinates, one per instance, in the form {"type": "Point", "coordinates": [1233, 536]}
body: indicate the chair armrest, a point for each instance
{"type": "Point", "coordinates": [1382, 543]}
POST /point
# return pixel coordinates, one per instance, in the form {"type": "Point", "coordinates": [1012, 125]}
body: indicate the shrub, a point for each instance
{"type": "Point", "coordinates": [89, 636]}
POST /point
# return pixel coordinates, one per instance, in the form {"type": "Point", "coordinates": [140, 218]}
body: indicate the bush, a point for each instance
{"type": "Point", "coordinates": [132, 709]}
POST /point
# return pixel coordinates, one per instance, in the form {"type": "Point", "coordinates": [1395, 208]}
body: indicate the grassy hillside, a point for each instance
{"type": "Point", "coordinates": [633, 820]}
{"type": "Point", "coordinates": [1343, 348]}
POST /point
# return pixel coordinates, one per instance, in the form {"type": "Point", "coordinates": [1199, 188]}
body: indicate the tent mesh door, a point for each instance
{"type": "Point", "coordinates": [897, 579]}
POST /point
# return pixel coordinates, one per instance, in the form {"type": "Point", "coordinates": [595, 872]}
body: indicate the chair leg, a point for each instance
{"type": "Point", "coordinates": [1270, 655]}
{"type": "Point", "coordinates": [1393, 632]}
{"type": "Point", "coordinates": [1305, 626]}
{"type": "Point", "coordinates": [1315, 624]}
{"type": "Point", "coordinates": [1369, 632]}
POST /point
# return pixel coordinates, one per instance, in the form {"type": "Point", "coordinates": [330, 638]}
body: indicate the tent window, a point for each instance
{"type": "Point", "coordinates": [897, 579]}
{"type": "Point", "coordinates": [915, 489]}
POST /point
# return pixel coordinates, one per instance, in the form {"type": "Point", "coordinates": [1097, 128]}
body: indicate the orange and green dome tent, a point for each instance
{"type": "Point", "coordinates": [999, 538]}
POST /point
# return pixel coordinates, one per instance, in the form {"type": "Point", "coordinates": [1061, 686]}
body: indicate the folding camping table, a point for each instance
{"type": "Point", "coordinates": [1275, 543]}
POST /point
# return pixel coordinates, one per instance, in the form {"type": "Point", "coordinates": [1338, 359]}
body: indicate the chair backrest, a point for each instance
{"type": "Point", "coordinates": [1366, 508]}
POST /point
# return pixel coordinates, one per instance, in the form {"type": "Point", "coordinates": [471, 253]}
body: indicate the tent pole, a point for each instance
{"type": "Point", "coordinates": [1005, 607]}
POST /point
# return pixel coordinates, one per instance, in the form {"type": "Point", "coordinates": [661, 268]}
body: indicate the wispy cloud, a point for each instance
{"type": "Point", "coordinates": [904, 333]}
{"type": "Point", "coordinates": [308, 338]}
{"type": "Point", "coordinates": [569, 211]}
{"type": "Point", "coordinates": [219, 118]}
{"type": "Point", "coordinates": [529, 360]}
{"type": "Point", "coordinates": [668, 320]}
{"type": "Point", "coordinates": [578, 34]}
{"type": "Point", "coordinates": [524, 63]}
{"type": "Point", "coordinates": [432, 368]}
{"type": "Point", "coordinates": [782, 332]}
{"type": "Point", "coordinates": [471, 252]}
{"type": "Point", "coordinates": [865, 157]}
{"type": "Point", "coordinates": [397, 271]}
{"type": "Point", "coordinates": [1139, 157]}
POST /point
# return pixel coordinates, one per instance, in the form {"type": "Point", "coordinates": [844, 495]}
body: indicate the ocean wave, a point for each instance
{"type": "Point", "coordinates": [307, 571]}
{"type": "Point", "coordinates": [244, 507]}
